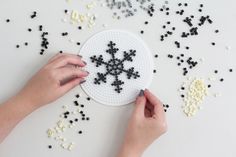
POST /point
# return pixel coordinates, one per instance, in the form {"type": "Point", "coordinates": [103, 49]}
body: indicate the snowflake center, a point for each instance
{"type": "Point", "coordinates": [115, 67]}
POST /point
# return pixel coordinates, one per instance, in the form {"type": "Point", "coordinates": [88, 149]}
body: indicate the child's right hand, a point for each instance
{"type": "Point", "coordinates": [147, 123]}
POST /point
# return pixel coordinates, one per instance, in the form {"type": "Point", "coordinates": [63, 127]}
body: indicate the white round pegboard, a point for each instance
{"type": "Point", "coordinates": [133, 53]}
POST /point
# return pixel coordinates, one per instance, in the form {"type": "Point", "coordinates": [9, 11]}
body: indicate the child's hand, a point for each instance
{"type": "Point", "coordinates": [57, 77]}
{"type": "Point", "coordinates": [146, 124]}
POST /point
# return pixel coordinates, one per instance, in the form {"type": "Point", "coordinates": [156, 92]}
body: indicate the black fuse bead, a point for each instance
{"type": "Point", "coordinates": [76, 103]}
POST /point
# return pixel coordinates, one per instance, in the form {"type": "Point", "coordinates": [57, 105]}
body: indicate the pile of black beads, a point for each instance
{"type": "Point", "coordinates": [83, 117]}
{"type": "Point", "coordinates": [186, 63]}
{"type": "Point", "coordinates": [221, 79]}
{"type": "Point", "coordinates": [66, 114]}
{"type": "Point", "coordinates": [44, 40]}
{"type": "Point", "coordinates": [181, 6]}
{"type": "Point", "coordinates": [169, 32]}
{"type": "Point", "coordinates": [64, 33]}
{"type": "Point", "coordinates": [165, 9]}
{"type": "Point", "coordinates": [193, 22]}
{"type": "Point", "coordinates": [166, 107]}
{"type": "Point", "coordinates": [129, 8]}
{"type": "Point", "coordinates": [33, 15]}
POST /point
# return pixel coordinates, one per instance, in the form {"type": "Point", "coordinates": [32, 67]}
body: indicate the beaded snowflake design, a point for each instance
{"type": "Point", "coordinates": [115, 67]}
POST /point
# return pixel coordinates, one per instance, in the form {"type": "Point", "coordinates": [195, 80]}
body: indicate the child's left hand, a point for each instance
{"type": "Point", "coordinates": [58, 76]}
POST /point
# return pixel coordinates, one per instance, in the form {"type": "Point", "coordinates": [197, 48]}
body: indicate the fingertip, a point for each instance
{"type": "Point", "coordinates": [141, 93]}
{"type": "Point", "coordinates": [84, 74]}
{"type": "Point", "coordinates": [140, 96]}
{"type": "Point", "coordinates": [81, 63]}
{"type": "Point", "coordinates": [140, 104]}
{"type": "Point", "coordinates": [79, 56]}
{"type": "Point", "coordinates": [82, 81]}
{"type": "Point", "coordinates": [146, 92]}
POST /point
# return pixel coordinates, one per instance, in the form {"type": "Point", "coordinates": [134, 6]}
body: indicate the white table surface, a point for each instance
{"type": "Point", "coordinates": [210, 133]}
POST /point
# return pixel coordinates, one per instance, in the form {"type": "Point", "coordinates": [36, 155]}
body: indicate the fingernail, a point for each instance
{"type": "Point", "coordinates": [141, 93]}
{"type": "Point", "coordinates": [82, 81]}
{"type": "Point", "coordinates": [84, 62]}
{"type": "Point", "coordinates": [79, 56]}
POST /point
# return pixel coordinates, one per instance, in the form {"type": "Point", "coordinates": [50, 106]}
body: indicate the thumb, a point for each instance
{"type": "Point", "coordinates": [140, 105]}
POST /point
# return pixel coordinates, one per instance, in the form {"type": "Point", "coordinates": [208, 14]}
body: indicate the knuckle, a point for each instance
{"type": "Point", "coordinates": [164, 127]}
{"type": "Point", "coordinates": [64, 57]}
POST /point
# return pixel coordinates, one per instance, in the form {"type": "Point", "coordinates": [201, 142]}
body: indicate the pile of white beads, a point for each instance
{"type": "Point", "coordinates": [196, 93]}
